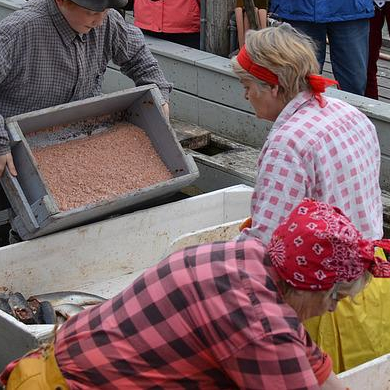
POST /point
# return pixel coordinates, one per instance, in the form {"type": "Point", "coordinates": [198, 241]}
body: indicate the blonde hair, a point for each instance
{"type": "Point", "coordinates": [350, 289]}
{"type": "Point", "coordinates": [285, 52]}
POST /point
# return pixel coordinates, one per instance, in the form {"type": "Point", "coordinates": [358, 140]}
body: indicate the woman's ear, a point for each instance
{"type": "Point", "coordinates": [274, 91]}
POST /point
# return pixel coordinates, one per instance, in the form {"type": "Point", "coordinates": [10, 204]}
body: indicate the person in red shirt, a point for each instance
{"type": "Point", "coordinates": [174, 20]}
{"type": "Point", "coordinates": [225, 315]}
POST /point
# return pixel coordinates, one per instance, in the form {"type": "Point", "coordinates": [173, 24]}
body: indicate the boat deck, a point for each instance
{"type": "Point", "coordinates": [383, 70]}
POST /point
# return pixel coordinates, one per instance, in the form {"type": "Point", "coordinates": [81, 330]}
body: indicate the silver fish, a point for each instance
{"type": "Point", "coordinates": [67, 310]}
{"type": "Point", "coordinates": [75, 297]}
{"type": "Point", "coordinates": [60, 319]}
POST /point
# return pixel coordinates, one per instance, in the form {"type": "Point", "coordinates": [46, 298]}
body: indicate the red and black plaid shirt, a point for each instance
{"type": "Point", "coordinates": [207, 317]}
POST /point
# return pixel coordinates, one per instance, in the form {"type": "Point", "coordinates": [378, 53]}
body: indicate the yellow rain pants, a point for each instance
{"type": "Point", "coordinates": [37, 373]}
{"type": "Point", "coordinates": [357, 331]}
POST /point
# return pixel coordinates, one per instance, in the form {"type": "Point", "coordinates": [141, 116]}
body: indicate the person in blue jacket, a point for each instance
{"type": "Point", "coordinates": [346, 23]}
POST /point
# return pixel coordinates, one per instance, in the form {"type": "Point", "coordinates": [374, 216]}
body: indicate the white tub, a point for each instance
{"type": "Point", "coordinates": [104, 257]}
{"type": "Point", "coordinates": [373, 375]}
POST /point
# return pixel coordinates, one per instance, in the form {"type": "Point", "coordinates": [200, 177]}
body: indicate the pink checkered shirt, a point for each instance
{"type": "Point", "coordinates": [207, 317]}
{"type": "Point", "coordinates": [330, 154]}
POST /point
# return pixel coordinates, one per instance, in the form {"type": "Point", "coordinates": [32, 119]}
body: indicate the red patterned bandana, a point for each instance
{"type": "Point", "coordinates": [318, 246]}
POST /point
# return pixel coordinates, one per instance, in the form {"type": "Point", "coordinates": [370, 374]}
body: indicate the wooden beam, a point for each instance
{"type": "Point", "coordinates": [218, 13]}
{"type": "Point", "coordinates": [191, 136]}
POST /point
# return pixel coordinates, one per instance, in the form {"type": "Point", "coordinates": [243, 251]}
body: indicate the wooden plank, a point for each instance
{"type": "Point", "coordinates": [383, 67]}
{"type": "Point", "coordinates": [383, 80]}
{"type": "Point", "coordinates": [386, 206]}
{"type": "Point", "coordinates": [4, 216]}
{"type": "Point", "coordinates": [386, 213]}
{"type": "Point", "coordinates": [383, 87]}
{"type": "Point", "coordinates": [191, 136]}
{"type": "Point", "coordinates": [217, 33]}
{"type": "Point", "coordinates": [383, 75]}
{"type": "Point", "coordinates": [234, 159]}
{"type": "Point", "coordinates": [384, 91]}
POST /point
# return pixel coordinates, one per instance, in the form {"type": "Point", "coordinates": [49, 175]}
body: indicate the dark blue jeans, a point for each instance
{"type": "Point", "coordinates": [348, 43]}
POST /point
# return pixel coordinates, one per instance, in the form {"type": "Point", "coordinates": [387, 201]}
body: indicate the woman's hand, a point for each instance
{"type": "Point", "coordinates": [7, 160]}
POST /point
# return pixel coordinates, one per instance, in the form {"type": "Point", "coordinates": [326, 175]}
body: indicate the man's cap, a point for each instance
{"type": "Point", "coordinates": [100, 5]}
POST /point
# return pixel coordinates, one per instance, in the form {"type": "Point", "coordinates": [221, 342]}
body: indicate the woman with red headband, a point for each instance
{"type": "Point", "coordinates": [318, 147]}
{"type": "Point", "coordinates": [225, 315]}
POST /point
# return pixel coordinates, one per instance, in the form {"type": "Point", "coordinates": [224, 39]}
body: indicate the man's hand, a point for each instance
{"type": "Point", "coordinates": [7, 160]}
{"type": "Point", "coordinates": [165, 108]}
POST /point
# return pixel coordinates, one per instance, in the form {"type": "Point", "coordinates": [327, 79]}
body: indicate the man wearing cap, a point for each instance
{"type": "Point", "coordinates": [56, 51]}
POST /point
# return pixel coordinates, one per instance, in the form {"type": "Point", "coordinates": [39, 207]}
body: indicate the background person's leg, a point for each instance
{"type": "Point", "coordinates": [317, 32]}
{"type": "Point", "coordinates": [349, 53]}
{"type": "Point", "coordinates": [375, 43]}
{"type": "Point", "coordinates": [186, 39]}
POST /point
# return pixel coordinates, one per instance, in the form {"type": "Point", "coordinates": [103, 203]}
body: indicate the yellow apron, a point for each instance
{"type": "Point", "coordinates": [357, 331]}
{"type": "Point", "coordinates": [37, 373]}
